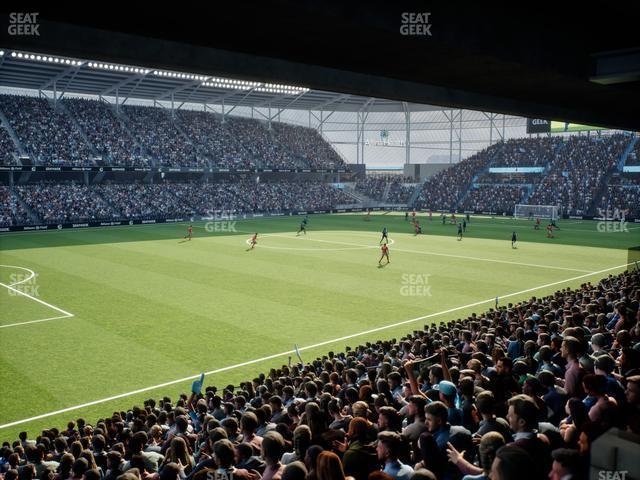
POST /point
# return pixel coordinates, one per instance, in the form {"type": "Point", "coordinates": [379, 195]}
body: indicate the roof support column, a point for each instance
{"type": "Point", "coordinates": [357, 138]}
{"type": "Point", "coordinates": [460, 139]}
{"type": "Point", "coordinates": [451, 138]}
{"type": "Point", "coordinates": [407, 131]}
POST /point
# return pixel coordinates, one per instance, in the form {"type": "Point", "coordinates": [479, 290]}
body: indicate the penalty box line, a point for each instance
{"type": "Point", "coordinates": [64, 313]}
{"type": "Point", "coordinates": [308, 347]}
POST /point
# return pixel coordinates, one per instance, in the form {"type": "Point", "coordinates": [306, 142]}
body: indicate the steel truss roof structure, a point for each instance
{"type": "Point", "coordinates": [62, 75]}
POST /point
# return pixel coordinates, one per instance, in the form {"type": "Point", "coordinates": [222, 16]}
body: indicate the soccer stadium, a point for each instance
{"type": "Point", "coordinates": [319, 242]}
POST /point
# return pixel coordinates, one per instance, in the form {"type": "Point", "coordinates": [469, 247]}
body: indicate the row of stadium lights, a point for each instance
{"type": "Point", "coordinates": [118, 68]}
{"type": "Point", "coordinates": [184, 76]}
{"type": "Point", "coordinates": [214, 82]}
{"type": "Point", "coordinates": [44, 58]}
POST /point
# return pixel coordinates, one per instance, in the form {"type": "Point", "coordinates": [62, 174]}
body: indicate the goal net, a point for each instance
{"type": "Point", "coordinates": [536, 211]}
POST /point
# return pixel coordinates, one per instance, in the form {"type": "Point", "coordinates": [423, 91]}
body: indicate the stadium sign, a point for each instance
{"type": "Point", "coordinates": [40, 168]}
{"type": "Point", "coordinates": [537, 125]}
{"type": "Point", "coordinates": [63, 226]}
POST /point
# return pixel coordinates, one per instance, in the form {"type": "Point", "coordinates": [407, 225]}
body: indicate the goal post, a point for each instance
{"type": "Point", "coordinates": [536, 211]}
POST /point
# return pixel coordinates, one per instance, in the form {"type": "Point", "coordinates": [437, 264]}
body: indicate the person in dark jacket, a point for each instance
{"type": "Point", "coordinates": [359, 458]}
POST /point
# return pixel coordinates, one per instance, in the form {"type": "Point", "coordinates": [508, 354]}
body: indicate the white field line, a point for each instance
{"type": "Point", "coordinates": [64, 312]}
{"type": "Point", "coordinates": [355, 247]}
{"type": "Point", "coordinates": [308, 347]}
{"type": "Point", "coordinates": [35, 321]}
{"type": "Point", "coordinates": [33, 274]}
{"type": "Point", "coordinates": [421, 252]}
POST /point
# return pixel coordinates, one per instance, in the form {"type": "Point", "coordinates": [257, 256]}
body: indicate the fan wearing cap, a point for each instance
{"type": "Point", "coordinates": [449, 396]}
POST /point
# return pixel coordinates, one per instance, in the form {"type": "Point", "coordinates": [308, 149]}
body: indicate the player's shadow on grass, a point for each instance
{"type": "Point", "coordinates": [382, 266]}
{"type": "Point", "coordinates": [183, 241]}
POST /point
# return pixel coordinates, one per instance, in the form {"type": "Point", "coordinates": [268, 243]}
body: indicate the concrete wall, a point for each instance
{"type": "Point", "coordinates": [423, 171]}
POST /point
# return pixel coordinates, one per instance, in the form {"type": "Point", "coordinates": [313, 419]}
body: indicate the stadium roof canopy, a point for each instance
{"type": "Point", "coordinates": [38, 71]}
{"type": "Point", "coordinates": [568, 62]}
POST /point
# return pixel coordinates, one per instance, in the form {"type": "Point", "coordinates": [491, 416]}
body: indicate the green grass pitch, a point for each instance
{"type": "Point", "coordinates": [138, 307]}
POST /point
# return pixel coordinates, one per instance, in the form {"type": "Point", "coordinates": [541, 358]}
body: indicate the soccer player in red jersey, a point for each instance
{"type": "Point", "coordinates": [385, 253]}
{"type": "Point", "coordinates": [413, 216]}
{"type": "Point", "coordinates": [254, 240]}
{"type": "Point", "coordinates": [537, 225]}
{"type": "Point", "coordinates": [189, 232]}
{"type": "Point", "coordinates": [549, 231]}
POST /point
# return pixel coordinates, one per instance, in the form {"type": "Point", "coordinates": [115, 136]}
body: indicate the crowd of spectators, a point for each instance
{"type": "Point", "coordinates": [634, 155]}
{"type": "Point", "coordinates": [517, 392]}
{"type": "Point", "coordinates": [71, 202]}
{"type": "Point", "coordinates": [11, 210]}
{"type": "Point", "coordinates": [47, 135]}
{"type": "Point", "coordinates": [372, 186]}
{"type": "Point", "coordinates": [216, 140]}
{"type": "Point", "coordinates": [526, 152]}
{"type": "Point", "coordinates": [308, 145]}
{"type": "Point", "coordinates": [444, 190]}
{"type": "Point", "coordinates": [66, 202]}
{"type": "Point", "coordinates": [494, 198]}
{"type": "Point", "coordinates": [106, 133]}
{"type": "Point", "coordinates": [261, 144]}
{"type": "Point", "coordinates": [251, 197]}
{"type": "Point", "coordinates": [578, 172]}
{"type": "Point", "coordinates": [185, 139]}
{"type": "Point", "coordinates": [576, 169]}
{"type": "Point", "coordinates": [398, 188]}
{"type": "Point", "coordinates": [156, 131]}
{"type": "Point", "coordinates": [622, 196]}
{"type": "Point", "coordinates": [8, 151]}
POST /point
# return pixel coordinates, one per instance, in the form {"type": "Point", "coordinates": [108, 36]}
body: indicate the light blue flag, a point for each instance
{"type": "Point", "coordinates": [196, 386]}
{"type": "Point", "coordinates": [298, 354]}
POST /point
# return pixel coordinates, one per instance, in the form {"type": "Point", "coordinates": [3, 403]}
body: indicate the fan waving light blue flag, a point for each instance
{"type": "Point", "coordinates": [196, 386]}
{"type": "Point", "coordinates": [298, 354]}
